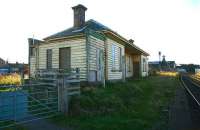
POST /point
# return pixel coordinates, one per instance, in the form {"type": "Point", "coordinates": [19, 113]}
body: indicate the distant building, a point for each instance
{"type": "Point", "coordinates": [13, 68]}
{"type": "Point", "coordinates": [163, 65]}
{"type": "Point", "coordinates": [154, 65]}
{"type": "Point", "coordinates": [181, 70]}
{"type": "Point", "coordinates": [2, 62]}
{"type": "Point", "coordinates": [191, 68]}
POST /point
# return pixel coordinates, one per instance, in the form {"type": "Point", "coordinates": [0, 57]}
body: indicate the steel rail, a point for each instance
{"type": "Point", "coordinates": [189, 91]}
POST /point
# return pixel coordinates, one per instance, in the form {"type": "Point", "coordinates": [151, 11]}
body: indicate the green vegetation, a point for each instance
{"type": "Point", "coordinates": [13, 127]}
{"type": "Point", "coordinates": [8, 89]}
{"type": "Point", "coordinates": [12, 79]}
{"type": "Point", "coordinates": [134, 105]}
{"type": "Point", "coordinates": [16, 127]}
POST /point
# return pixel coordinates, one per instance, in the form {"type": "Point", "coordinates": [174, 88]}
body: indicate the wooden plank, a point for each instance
{"type": "Point", "coordinates": [74, 88]}
{"type": "Point", "coordinates": [74, 93]}
{"type": "Point", "coordinates": [47, 79]}
{"type": "Point", "coordinates": [72, 81]}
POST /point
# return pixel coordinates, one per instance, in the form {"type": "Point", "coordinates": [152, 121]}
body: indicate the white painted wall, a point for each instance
{"type": "Point", "coordinates": [95, 45]}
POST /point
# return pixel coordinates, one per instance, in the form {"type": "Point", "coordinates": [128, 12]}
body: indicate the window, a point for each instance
{"type": "Point", "coordinates": [98, 59]}
{"type": "Point", "coordinates": [49, 58]}
{"type": "Point", "coordinates": [116, 58]}
{"type": "Point", "coordinates": [113, 57]}
{"type": "Point", "coordinates": [120, 58]}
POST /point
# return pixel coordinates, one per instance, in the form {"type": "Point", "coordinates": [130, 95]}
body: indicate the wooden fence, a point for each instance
{"type": "Point", "coordinates": [67, 82]}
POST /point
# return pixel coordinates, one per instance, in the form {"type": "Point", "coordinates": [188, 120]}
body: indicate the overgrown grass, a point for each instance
{"type": "Point", "coordinates": [134, 105]}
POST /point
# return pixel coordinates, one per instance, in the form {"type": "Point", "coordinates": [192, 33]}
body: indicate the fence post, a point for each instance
{"type": "Point", "coordinates": [66, 88]}
{"type": "Point", "coordinates": [62, 96]}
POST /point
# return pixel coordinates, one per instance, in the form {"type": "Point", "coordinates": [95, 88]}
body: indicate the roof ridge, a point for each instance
{"type": "Point", "coordinates": [95, 21]}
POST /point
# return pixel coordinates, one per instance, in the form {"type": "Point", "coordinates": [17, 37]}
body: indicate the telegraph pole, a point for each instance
{"type": "Point", "coordinates": [159, 54]}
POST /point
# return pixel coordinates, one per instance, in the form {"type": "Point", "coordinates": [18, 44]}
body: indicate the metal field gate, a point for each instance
{"type": "Point", "coordinates": [38, 100]}
{"type": "Point", "coordinates": [26, 103]}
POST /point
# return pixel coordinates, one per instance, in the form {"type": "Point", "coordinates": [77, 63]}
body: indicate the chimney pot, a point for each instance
{"type": "Point", "coordinates": [131, 41]}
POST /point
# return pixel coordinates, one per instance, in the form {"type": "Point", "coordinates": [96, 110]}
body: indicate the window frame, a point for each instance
{"type": "Point", "coordinates": [116, 57]}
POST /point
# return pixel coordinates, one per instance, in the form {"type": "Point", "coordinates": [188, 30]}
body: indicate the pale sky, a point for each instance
{"type": "Point", "coordinates": [169, 26]}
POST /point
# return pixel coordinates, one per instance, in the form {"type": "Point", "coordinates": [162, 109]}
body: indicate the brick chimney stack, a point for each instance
{"type": "Point", "coordinates": [79, 15]}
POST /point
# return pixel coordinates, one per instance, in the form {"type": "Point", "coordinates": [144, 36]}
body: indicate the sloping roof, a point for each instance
{"type": "Point", "coordinates": [2, 60]}
{"type": "Point", "coordinates": [90, 24]}
{"type": "Point", "coordinates": [33, 41]}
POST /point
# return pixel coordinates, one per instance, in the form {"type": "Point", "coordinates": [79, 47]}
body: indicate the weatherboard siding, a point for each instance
{"type": "Point", "coordinates": [78, 54]}
{"type": "Point", "coordinates": [113, 74]}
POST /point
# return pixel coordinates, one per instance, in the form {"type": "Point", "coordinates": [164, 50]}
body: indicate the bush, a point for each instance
{"type": "Point", "coordinates": [114, 98]}
{"type": "Point", "coordinates": [12, 79]}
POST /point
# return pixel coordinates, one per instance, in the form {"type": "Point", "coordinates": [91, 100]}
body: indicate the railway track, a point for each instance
{"type": "Point", "coordinates": [192, 88]}
{"type": "Point", "coordinates": [193, 97]}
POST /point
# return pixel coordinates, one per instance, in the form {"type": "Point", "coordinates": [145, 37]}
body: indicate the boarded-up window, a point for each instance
{"type": "Point", "coordinates": [49, 58]}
